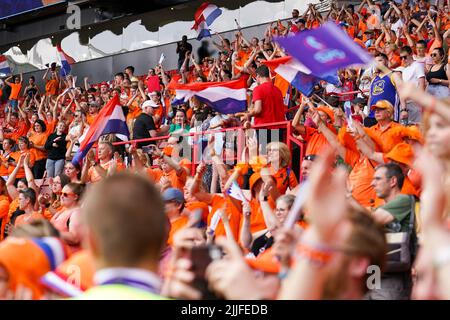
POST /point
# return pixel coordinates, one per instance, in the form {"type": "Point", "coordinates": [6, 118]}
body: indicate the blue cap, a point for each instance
{"type": "Point", "coordinates": [172, 194]}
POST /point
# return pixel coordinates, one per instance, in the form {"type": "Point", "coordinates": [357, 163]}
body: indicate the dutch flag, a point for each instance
{"type": "Point", "coordinates": [204, 17]}
{"type": "Point", "coordinates": [110, 120]}
{"type": "Point", "coordinates": [66, 61]}
{"type": "Point", "coordinates": [4, 66]}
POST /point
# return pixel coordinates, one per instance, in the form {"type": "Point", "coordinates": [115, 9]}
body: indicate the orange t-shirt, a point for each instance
{"type": "Point", "coordinates": [386, 138]}
{"type": "Point", "coordinates": [91, 118]}
{"type": "Point", "coordinates": [283, 180]}
{"type": "Point", "coordinates": [25, 220]}
{"type": "Point", "coordinates": [16, 156]}
{"type": "Point", "coordinates": [15, 91]}
{"type": "Point", "coordinates": [198, 205]}
{"type": "Point", "coordinates": [176, 181]}
{"type": "Point", "coordinates": [51, 125]}
{"type": "Point", "coordinates": [176, 226]}
{"type": "Point", "coordinates": [51, 87]}
{"type": "Point", "coordinates": [234, 215]}
{"type": "Point", "coordinates": [316, 141]}
{"type": "Point", "coordinates": [93, 175]}
{"type": "Point", "coordinates": [38, 139]}
{"type": "Point", "coordinates": [360, 178]}
{"type": "Point", "coordinates": [395, 61]}
{"type": "Point", "coordinates": [4, 213]}
{"type": "Point", "coordinates": [19, 130]}
{"type": "Point", "coordinates": [4, 171]}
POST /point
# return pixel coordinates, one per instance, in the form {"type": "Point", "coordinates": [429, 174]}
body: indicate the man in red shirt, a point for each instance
{"type": "Point", "coordinates": [268, 106]}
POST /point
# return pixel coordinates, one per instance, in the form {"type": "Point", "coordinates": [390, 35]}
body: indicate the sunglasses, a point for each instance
{"type": "Point", "coordinates": [66, 195]}
{"type": "Point", "coordinates": [434, 55]}
{"type": "Point", "coordinates": [403, 57]}
{"type": "Point", "coordinates": [310, 157]}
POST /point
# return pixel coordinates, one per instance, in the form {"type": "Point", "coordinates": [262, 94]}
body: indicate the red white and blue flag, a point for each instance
{"type": "Point", "coordinates": [66, 61]}
{"type": "Point", "coordinates": [224, 97]}
{"type": "Point", "coordinates": [110, 120]}
{"type": "Point", "coordinates": [4, 66]}
{"type": "Point", "coordinates": [204, 17]}
{"type": "Point", "coordinates": [298, 75]}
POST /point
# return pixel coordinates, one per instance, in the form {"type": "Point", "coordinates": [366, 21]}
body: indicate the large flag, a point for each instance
{"type": "Point", "coordinates": [298, 75]}
{"type": "Point", "coordinates": [224, 97]}
{"type": "Point", "coordinates": [110, 120]}
{"type": "Point", "coordinates": [4, 66]}
{"type": "Point", "coordinates": [204, 17]}
{"type": "Point", "coordinates": [66, 61]}
{"type": "Point", "coordinates": [324, 50]}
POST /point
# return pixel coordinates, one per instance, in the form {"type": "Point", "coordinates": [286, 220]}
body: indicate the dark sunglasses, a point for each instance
{"type": "Point", "coordinates": [403, 57]}
{"type": "Point", "coordinates": [310, 157]}
{"type": "Point", "coordinates": [434, 55]}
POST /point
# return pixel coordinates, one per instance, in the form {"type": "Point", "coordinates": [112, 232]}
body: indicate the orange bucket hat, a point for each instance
{"type": "Point", "coordinates": [402, 153]}
{"type": "Point", "coordinates": [328, 111]}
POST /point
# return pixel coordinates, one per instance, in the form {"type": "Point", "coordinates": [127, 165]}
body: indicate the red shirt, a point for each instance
{"type": "Point", "coordinates": [273, 109]}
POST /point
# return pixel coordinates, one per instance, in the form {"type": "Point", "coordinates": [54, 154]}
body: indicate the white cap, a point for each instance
{"type": "Point", "coordinates": [149, 103]}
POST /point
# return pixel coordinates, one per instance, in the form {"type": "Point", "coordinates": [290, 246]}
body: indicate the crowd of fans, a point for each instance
{"type": "Point", "coordinates": [362, 213]}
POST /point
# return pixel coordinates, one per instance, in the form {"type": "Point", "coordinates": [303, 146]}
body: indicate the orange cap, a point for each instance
{"type": "Point", "coordinates": [265, 262]}
{"type": "Point", "coordinates": [254, 178]}
{"type": "Point", "coordinates": [383, 104]}
{"type": "Point", "coordinates": [402, 153]}
{"type": "Point", "coordinates": [328, 112]}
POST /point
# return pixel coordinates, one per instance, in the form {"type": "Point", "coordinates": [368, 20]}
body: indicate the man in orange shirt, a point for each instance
{"type": "Point", "coordinates": [316, 141]}
{"type": "Point", "coordinates": [174, 205]}
{"type": "Point", "coordinates": [95, 171]}
{"type": "Point", "coordinates": [52, 84]}
{"type": "Point", "coordinates": [16, 87]}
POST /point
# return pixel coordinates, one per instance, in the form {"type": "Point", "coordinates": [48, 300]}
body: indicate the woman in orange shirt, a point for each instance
{"type": "Point", "coordinates": [37, 145]}
{"type": "Point", "coordinates": [4, 206]}
{"type": "Point", "coordinates": [24, 149]}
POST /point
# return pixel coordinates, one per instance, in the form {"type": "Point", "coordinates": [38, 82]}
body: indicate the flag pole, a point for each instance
{"type": "Point", "coordinates": [315, 95]}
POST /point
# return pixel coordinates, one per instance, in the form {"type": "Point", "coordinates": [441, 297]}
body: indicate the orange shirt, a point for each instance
{"type": "Point", "coordinates": [175, 226]}
{"type": "Point", "coordinates": [4, 171]}
{"type": "Point", "coordinates": [51, 125]}
{"type": "Point", "coordinates": [93, 175]}
{"type": "Point", "coordinates": [360, 178]}
{"type": "Point", "coordinates": [23, 219]}
{"type": "Point", "coordinates": [316, 141]}
{"type": "Point", "coordinates": [16, 156]}
{"type": "Point", "coordinates": [283, 180]}
{"type": "Point", "coordinates": [20, 129]}
{"type": "Point", "coordinates": [198, 205]}
{"type": "Point", "coordinates": [15, 91]}
{"type": "Point", "coordinates": [386, 138]}
{"type": "Point", "coordinates": [234, 215]}
{"type": "Point", "coordinates": [176, 180]}
{"type": "Point", "coordinates": [38, 139]}
{"type": "Point", "coordinates": [51, 87]}
{"type": "Point", "coordinates": [91, 118]}
{"type": "Point", "coordinates": [4, 216]}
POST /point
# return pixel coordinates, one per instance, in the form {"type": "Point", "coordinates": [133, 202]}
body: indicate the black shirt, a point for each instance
{"type": "Point", "coordinates": [59, 152]}
{"type": "Point", "coordinates": [143, 124]}
{"type": "Point", "coordinates": [182, 48]}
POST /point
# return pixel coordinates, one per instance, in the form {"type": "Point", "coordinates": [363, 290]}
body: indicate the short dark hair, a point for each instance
{"type": "Point", "coordinates": [440, 50]}
{"type": "Point", "coordinates": [393, 170]}
{"type": "Point", "coordinates": [263, 71]}
{"type": "Point", "coordinates": [381, 54]}
{"type": "Point", "coordinates": [406, 49]}
{"type": "Point", "coordinates": [29, 193]}
{"type": "Point", "coordinates": [131, 68]}
{"type": "Point", "coordinates": [421, 42]}
{"type": "Point", "coordinates": [32, 77]}
{"type": "Point", "coordinates": [119, 74]}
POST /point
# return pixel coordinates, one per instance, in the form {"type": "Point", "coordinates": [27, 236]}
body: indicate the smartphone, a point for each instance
{"type": "Point", "coordinates": [149, 149]}
{"type": "Point", "coordinates": [201, 257]}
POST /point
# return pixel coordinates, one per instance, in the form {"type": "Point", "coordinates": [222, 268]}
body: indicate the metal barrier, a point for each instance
{"type": "Point", "coordinates": [290, 139]}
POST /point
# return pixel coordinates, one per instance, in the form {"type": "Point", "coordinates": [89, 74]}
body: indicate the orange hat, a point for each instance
{"type": "Point", "coordinates": [60, 279]}
{"type": "Point", "coordinates": [402, 153]}
{"type": "Point", "coordinates": [383, 104]}
{"type": "Point", "coordinates": [413, 133]}
{"type": "Point", "coordinates": [265, 262]}
{"type": "Point", "coordinates": [27, 260]}
{"type": "Point", "coordinates": [328, 111]}
{"type": "Point", "coordinates": [254, 178]}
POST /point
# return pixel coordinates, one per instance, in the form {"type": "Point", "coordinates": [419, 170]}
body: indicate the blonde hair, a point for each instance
{"type": "Point", "coordinates": [283, 150]}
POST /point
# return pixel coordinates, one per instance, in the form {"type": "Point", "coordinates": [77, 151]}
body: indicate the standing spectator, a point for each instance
{"type": "Point", "coordinates": [438, 75]}
{"type": "Point", "coordinates": [56, 148]}
{"type": "Point", "coordinates": [413, 73]}
{"type": "Point", "coordinates": [52, 84]}
{"type": "Point", "coordinates": [395, 216]}
{"type": "Point", "coordinates": [144, 126]}
{"type": "Point", "coordinates": [15, 91]}
{"type": "Point", "coordinates": [267, 101]}
{"type": "Point", "coordinates": [383, 87]}
{"type": "Point", "coordinates": [130, 72]}
{"type": "Point", "coordinates": [32, 89]}
{"type": "Point", "coordinates": [37, 144]}
{"type": "Point", "coordinates": [182, 47]}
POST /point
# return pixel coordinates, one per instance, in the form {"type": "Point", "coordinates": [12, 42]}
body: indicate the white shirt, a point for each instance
{"type": "Point", "coordinates": [413, 73]}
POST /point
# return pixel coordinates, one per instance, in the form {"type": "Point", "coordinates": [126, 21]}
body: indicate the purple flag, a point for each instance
{"type": "Point", "coordinates": [324, 50]}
